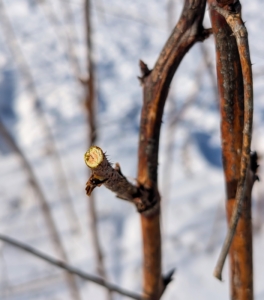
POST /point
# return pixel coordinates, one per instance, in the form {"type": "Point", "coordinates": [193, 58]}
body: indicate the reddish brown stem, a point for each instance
{"type": "Point", "coordinates": [236, 24]}
{"type": "Point", "coordinates": [231, 93]}
{"type": "Point", "coordinates": [155, 89]}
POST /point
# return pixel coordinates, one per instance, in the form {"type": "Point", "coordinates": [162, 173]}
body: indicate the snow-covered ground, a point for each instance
{"type": "Point", "coordinates": [191, 185]}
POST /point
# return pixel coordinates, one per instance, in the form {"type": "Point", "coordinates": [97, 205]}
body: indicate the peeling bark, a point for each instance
{"type": "Point", "coordinates": [231, 86]}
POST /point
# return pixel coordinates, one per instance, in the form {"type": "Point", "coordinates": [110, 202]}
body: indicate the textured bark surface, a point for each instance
{"type": "Point", "coordinates": [104, 173]}
{"type": "Point", "coordinates": [155, 89]}
{"type": "Point", "coordinates": [231, 95]}
{"type": "Point", "coordinates": [145, 195]}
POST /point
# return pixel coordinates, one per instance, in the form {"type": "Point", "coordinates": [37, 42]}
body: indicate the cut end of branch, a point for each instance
{"type": "Point", "coordinates": [93, 157]}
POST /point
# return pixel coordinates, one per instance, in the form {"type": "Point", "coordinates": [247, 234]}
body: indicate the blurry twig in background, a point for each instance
{"type": "Point", "coordinates": [43, 202]}
{"type": "Point", "coordinates": [90, 104]}
{"type": "Point", "coordinates": [69, 269]}
{"type": "Point", "coordinates": [68, 38]}
{"type": "Point", "coordinates": [26, 75]}
{"type": "Point", "coordinates": [4, 284]}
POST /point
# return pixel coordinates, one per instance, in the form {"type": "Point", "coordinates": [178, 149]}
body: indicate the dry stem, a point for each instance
{"type": "Point", "coordinates": [239, 30]}
{"type": "Point", "coordinates": [156, 84]}
{"type": "Point", "coordinates": [155, 89]}
{"type": "Point", "coordinates": [90, 103]}
{"type": "Point", "coordinates": [51, 226]}
{"type": "Point", "coordinates": [28, 78]}
{"type": "Point", "coordinates": [70, 269]}
{"type": "Point", "coordinates": [68, 38]}
{"type": "Point", "coordinates": [112, 178]}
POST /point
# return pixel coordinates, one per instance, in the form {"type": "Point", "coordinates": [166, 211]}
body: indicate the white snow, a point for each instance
{"type": "Point", "coordinates": [193, 213]}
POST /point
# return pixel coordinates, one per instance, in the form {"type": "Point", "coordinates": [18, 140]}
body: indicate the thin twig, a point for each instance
{"type": "Point", "coordinates": [145, 195]}
{"type": "Point", "coordinates": [67, 39]}
{"type": "Point", "coordinates": [70, 269]}
{"type": "Point", "coordinates": [51, 226]}
{"type": "Point", "coordinates": [71, 35]}
{"type": "Point", "coordinates": [28, 78]}
{"type": "Point", "coordinates": [90, 103]}
{"type": "Point", "coordinates": [233, 18]}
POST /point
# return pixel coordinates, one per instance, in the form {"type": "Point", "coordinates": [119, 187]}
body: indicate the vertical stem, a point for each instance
{"type": "Point", "coordinates": [156, 84]}
{"type": "Point", "coordinates": [90, 103]}
{"type": "Point", "coordinates": [67, 39]}
{"type": "Point", "coordinates": [152, 255]}
{"type": "Point", "coordinates": [230, 86]}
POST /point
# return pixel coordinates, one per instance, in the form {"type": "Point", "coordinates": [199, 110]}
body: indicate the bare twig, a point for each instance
{"type": "Point", "coordinates": [112, 178]}
{"type": "Point", "coordinates": [156, 84]}
{"type": "Point", "coordinates": [71, 35]}
{"type": "Point", "coordinates": [233, 18]}
{"type": "Point", "coordinates": [51, 226]}
{"type": "Point", "coordinates": [72, 270]}
{"type": "Point", "coordinates": [67, 39]}
{"type": "Point", "coordinates": [90, 103]}
{"type": "Point", "coordinates": [145, 195]}
{"type": "Point", "coordinates": [27, 76]}
{"type": "Point", "coordinates": [231, 95]}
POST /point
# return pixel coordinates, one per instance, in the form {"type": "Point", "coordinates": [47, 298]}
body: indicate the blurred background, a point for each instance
{"type": "Point", "coordinates": [44, 133]}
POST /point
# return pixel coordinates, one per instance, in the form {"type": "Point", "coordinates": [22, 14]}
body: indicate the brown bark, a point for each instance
{"type": "Point", "coordinates": [104, 173]}
{"type": "Point", "coordinates": [231, 94]}
{"type": "Point", "coordinates": [155, 89]}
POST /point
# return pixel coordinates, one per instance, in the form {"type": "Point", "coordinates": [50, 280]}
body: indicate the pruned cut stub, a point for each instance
{"type": "Point", "coordinates": [93, 157]}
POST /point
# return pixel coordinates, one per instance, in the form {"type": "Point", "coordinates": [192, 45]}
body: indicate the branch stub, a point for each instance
{"type": "Point", "coordinates": [93, 157]}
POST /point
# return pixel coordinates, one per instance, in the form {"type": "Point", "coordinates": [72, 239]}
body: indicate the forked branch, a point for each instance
{"type": "Point", "coordinates": [156, 83]}
{"type": "Point", "coordinates": [145, 195]}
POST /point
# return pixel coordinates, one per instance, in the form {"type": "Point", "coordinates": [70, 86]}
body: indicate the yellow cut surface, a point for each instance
{"type": "Point", "coordinates": [93, 157]}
